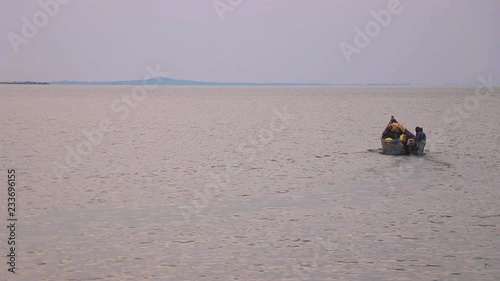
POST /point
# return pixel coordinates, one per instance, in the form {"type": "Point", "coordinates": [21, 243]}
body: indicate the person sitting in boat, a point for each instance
{"type": "Point", "coordinates": [395, 129]}
{"type": "Point", "coordinates": [411, 147]}
{"type": "Point", "coordinates": [420, 140]}
{"type": "Point", "coordinates": [399, 127]}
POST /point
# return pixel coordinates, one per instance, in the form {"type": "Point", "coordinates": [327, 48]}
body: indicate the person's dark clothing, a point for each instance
{"type": "Point", "coordinates": [420, 137]}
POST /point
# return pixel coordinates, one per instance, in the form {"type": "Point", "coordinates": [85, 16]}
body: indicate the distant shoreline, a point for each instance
{"type": "Point", "coordinates": [163, 81]}
{"type": "Point", "coordinates": [24, 83]}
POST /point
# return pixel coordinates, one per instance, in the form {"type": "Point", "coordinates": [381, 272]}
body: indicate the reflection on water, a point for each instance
{"type": "Point", "coordinates": [190, 187]}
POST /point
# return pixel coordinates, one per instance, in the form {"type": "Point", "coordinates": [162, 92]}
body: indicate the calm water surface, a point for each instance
{"type": "Point", "coordinates": [250, 183]}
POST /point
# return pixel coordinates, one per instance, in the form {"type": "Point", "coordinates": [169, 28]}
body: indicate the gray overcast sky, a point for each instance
{"type": "Point", "coordinates": [427, 42]}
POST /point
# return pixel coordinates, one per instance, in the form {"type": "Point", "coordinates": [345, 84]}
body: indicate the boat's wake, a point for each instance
{"type": "Point", "coordinates": [426, 156]}
{"type": "Point", "coordinates": [378, 150]}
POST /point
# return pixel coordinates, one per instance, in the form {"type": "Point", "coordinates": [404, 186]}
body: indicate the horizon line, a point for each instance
{"type": "Point", "coordinates": [166, 81]}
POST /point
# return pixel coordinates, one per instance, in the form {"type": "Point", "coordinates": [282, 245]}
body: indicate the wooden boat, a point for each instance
{"type": "Point", "coordinates": [392, 147]}
{"type": "Point", "coordinates": [403, 142]}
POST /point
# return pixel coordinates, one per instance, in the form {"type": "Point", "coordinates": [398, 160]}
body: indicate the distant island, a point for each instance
{"type": "Point", "coordinates": [178, 82]}
{"type": "Point", "coordinates": [25, 83]}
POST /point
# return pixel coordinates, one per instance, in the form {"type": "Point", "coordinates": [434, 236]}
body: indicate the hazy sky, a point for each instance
{"type": "Point", "coordinates": [448, 41]}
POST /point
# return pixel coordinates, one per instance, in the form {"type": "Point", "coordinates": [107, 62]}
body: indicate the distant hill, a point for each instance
{"type": "Point", "coordinates": [170, 81]}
